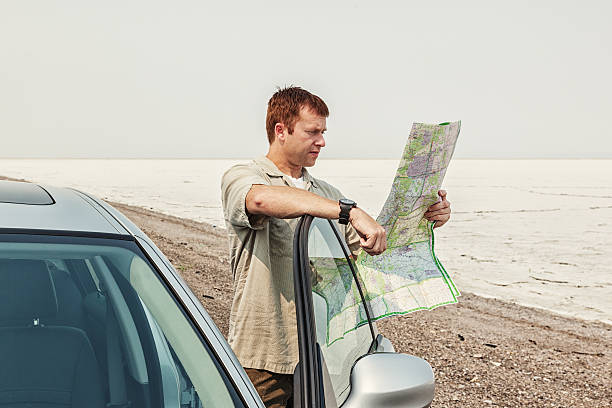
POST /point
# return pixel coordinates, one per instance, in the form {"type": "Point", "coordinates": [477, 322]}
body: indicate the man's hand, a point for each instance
{"type": "Point", "coordinates": [373, 237]}
{"type": "Point", "coordinates": [439, 212]}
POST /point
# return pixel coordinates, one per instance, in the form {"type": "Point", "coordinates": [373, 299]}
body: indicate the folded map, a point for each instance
{"type": "Point", "coordinates": [408, 276]}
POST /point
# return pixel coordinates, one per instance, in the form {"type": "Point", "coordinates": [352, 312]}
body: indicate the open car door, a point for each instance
{"type": "Point", "coordinates": [344, 362]}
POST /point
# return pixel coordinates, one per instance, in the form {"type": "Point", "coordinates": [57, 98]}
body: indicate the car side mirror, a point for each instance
{"type": "Point", "coordinates": [391, 380]}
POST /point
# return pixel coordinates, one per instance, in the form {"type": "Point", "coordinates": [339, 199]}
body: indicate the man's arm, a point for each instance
{"type": "Point", "coordinates": [290, 202]}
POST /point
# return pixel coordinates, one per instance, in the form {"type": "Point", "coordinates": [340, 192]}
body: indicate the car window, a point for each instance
{"type": "Point", "coordinates": [89, 320]}
{"type": "Point", "coordinates": [338, 307]}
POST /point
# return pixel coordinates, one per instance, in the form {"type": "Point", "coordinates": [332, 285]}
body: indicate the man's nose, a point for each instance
{"type": "Point", "coordinates": [321, 141]}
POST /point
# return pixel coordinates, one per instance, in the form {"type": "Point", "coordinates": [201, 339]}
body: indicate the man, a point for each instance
{"type": "Point", "coordinates": [262, 202]}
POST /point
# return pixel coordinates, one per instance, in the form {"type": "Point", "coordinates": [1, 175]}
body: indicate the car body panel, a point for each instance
{"type": "Point", "coordinates": [70, 212]}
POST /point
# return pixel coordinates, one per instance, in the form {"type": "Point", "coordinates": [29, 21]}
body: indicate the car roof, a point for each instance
{"type": "Point", "coordinates": [29, 206]}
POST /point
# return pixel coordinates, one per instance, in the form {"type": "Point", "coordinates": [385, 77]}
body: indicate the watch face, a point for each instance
{"type": "Point", "coordinates": [346, 201]}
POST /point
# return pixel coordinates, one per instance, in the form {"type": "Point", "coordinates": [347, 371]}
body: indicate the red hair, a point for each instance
{"type": "Point", "coordinates": [285, 105]}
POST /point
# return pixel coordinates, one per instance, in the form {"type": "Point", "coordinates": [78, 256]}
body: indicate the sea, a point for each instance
{"type": "Point", "coordinates": [533, 232]}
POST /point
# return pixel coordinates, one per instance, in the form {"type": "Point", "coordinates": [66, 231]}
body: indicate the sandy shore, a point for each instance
{"type": "Point", "coordinates": [485, 352]}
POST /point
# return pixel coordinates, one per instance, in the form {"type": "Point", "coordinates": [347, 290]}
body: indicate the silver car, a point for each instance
{"type": "Point", "coordinates": [92, 314]}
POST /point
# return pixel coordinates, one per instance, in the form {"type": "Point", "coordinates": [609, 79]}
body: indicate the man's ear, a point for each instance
{"type": "Point", "coordinates": [280, 131]}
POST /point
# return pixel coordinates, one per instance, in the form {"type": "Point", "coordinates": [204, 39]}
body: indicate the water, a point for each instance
{"type": "Point", "coordinates": [536, 232]}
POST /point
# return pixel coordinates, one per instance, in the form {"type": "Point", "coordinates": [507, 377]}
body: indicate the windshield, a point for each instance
{"type": "Point", "coordinates": [88, 322]}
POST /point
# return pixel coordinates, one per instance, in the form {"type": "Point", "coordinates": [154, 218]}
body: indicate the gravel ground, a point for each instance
{"type": "Point", "coordinates": [485, 352]}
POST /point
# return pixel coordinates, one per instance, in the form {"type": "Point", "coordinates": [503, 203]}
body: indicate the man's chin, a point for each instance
{"type": "Point", "coordinates": [310, 162]}
{"type": "Point", "coordinates": [310, 159]}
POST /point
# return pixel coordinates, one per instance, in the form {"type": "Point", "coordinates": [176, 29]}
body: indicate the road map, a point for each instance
{"type": "Point", "coordinates": [408, 276]}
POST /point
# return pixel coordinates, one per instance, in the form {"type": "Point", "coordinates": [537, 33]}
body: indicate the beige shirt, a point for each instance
{"type": "Point", "coordinates": [263, 326]}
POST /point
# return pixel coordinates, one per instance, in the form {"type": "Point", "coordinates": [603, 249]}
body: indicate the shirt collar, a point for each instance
{"type": "Point", "coordinates": [270, 169]}
{"type": "Point", "coordinates": [268, 166]}
{"type": "Point", "coordinates": [308, 178]}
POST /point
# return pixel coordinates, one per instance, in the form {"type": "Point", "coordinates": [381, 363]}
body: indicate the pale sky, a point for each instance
{"type": "Point", "coordinates": [192, 79]}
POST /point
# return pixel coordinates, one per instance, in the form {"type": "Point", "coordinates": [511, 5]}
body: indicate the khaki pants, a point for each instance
{"type": "Point", "coordinates": [274, 389]}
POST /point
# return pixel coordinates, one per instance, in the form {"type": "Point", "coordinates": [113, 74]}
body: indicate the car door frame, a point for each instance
{"type": "Point", "coordinates": [308, 376]}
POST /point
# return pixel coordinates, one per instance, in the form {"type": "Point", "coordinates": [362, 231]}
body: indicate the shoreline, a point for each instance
{"type": "Point", "coordinates": [519, 233]}
{"type": "Point", "coordinates": [484, 351]}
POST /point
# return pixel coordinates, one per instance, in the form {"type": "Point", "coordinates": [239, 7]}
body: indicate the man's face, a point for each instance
{"type": "Point", "coordinates": [302, 147]}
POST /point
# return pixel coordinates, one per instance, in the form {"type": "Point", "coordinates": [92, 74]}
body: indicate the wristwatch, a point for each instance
{"type": "Point", "coordinates": [345, 209]}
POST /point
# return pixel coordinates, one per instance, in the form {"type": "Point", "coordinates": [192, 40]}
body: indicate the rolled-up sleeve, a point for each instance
{"type": "Point", "coordinates": [352, 240]}
{"type": "Point", "coordinates": [235, 185]}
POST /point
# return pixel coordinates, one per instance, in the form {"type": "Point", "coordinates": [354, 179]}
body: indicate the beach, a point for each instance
{"type": "Point", "coordinates": [485, 352]}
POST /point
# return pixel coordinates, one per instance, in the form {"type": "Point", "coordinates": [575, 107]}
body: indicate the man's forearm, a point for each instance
{"type": "Point", "coordinates": [289, 202]}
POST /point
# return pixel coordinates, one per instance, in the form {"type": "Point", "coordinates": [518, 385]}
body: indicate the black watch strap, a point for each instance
{"type": "Point", "coordinates": [345, 208]}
